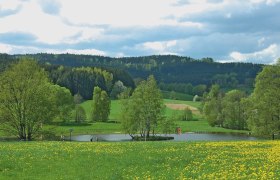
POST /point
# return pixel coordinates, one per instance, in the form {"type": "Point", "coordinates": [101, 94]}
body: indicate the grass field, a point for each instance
{"type": "Point", "coordinates": [194, 126]}
{"type": "Point", "coordinates": [140, 160]}
{"type": "Point", "coordinates": [116, 108]}
{"type": "Point", "coordinates": [201, 125]}
{"type": "Point", "coordinates": [176, 95]}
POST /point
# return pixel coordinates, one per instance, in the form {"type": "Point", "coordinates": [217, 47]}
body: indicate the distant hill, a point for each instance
{"type": "Point", "coordinates": [79, 80]}
{"type": "Point", "coordinates": [168, 69]}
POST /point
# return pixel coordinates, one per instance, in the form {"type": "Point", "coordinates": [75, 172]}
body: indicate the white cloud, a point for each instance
{"type": "Point", "coordinates": [196, 28]}
{"type": "Point", "coordinates": [50, 6]}
{"type": "Point", "coordinates": [14, 49]}
{"type": "Point", "coordinates": [9, 4]}
{"type": "Point", "coordinates": [159, 47]}
{"type": "Point", "coordinates": [268, 55]}
{"type": "Point", "coordinates": [47, 28]}
{"type": "Point", "coordinates": [119, 13]}
{"type": "Point", "coordinates": [83, 51]}
{"type": "Point", "coordinates": [4, 48]}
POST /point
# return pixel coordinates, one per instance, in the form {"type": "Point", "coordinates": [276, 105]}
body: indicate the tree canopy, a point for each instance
{"type": "Point", "coordinates": [213, 106]}
{"type": "Point", "coordinates": [100, 105]}
{"type": "Point", "coordinates": [27, 99]}
{"type": "Point", "coordinates": [263, 106]}
{"type": "Point", "coordinates": [143, 111]}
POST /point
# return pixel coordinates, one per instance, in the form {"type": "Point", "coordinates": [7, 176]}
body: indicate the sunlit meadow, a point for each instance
{"type": "Point", "coordinates": [140, 160]}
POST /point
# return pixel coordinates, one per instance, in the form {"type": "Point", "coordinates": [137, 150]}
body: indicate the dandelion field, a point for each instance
{"type": "Point", "coordinates": [140, 160]}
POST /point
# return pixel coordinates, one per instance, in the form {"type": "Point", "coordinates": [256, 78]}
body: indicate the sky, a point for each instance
{"type": "Point", "coordinates": [226, 30]}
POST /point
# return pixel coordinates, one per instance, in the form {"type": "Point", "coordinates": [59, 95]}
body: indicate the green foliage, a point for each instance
{"type": "Point", "coordinates": [166, 68]}
{"type": "Point", "coordinates": [80, 114]}
{"type": "Point", "coordinates": [199, 89]}
{"type": "Point", "coordinates": [105, 104]}
{"type": "Point", "coordinates": [187, 115]}
{"type": "Point", "coordinates": [100, 105]}
{"type": "Point", "coordinates": [226, 80]}
{"type": "Point", "coordinates": [183, 88]}
{"type": "Point", "coordinates": [168, 125]}
{"type": "Point", "coordinates": [227, 110]}
{"type": "Point", "coordinates": [78, 99]}
{"type": "Point", "coordinates": [81, 80]}
{"type": "Point", "coordinates": [233, 110]}
{"type": "Point", "coordinates": [263, 106]}
{"type": "Point", "coordinates": [27, 99]}
{"type": "Point", "coordinates": [64, 103]}
{"type": "Point", "coordinates": [143, 111]}
{"type": "Point", "coordinates": [117, 89]}
{"type": "Point", "coordinates": [212, 108]}
{"type": "Point", "coordinates": [176, 96]}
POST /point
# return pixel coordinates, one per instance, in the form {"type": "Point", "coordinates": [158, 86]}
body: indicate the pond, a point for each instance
{"type": "Point", "coordinates": [177, 137]}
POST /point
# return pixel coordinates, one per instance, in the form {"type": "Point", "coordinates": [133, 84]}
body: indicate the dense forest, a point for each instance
{"type": "Point", "coordinates": [79, 80]}
{"type": "Point", "coordinates": [173, 73]}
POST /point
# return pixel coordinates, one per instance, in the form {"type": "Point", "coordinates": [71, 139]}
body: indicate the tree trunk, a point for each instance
{"type": "Point", "coordinates": [29, 136]}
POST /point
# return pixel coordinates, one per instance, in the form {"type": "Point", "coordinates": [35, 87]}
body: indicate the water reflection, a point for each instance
{"type": "Point", "coordinates": [181, 137]}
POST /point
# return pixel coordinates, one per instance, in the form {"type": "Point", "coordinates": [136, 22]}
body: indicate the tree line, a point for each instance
{"type": "Point", "coordinates": [29, 100]}
{"type": "Point", "coordinates": [80, 80]}
{"type": "Point", "coordinates": [167, 69]}
{"type": "Point", "coordinates": [258, 112]}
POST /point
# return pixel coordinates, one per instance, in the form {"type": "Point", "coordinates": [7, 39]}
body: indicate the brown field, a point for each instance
{"type": "Point", "coordinates": [182, 107]}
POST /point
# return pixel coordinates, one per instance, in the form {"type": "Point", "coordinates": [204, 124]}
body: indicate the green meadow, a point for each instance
{"type": "Point", "coordinates": [113, 125]}
{"type": "Point", "coordinates": [140, 160]}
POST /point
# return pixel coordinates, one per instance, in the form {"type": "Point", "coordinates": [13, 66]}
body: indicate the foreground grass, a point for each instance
{"type": "Point", "coordinates": [140, 160]}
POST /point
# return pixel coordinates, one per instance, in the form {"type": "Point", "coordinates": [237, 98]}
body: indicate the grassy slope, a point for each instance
{"type": "Point", "coordinates": [176, 95]}
{"type": "Point", "coordinates": [143, 160]}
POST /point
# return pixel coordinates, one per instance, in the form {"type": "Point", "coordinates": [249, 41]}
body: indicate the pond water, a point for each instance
{"type": "Point", "coordinates": [177, 137]}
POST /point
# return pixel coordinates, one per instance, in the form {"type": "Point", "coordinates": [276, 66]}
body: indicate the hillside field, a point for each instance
{"type": "Point", "coordinates": [140, 160]}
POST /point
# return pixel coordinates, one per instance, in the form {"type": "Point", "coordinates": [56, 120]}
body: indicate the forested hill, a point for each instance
{"type": "Point", "coordinates": [168, 69]}
{"type": "Point", "coordinates": [80, 80]}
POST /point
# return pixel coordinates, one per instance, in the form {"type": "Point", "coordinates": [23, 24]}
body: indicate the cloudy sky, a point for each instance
{"type": "Point", "coordinates": [226, 30]}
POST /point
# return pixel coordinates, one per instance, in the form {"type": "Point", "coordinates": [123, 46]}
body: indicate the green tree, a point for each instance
{"type": "Point", "coordinates": [263, 112]}
{"type": "Point", "coordinates": [100, 105]}
{"type": "Point", "coordinates": [27, 99]}
{"type": "Point", "coordinates": [143, 111]}
{"type": "Point", "coordinates": [118, 88]}
{"type": "Point", "coordinates": [78, 99]}
{"type": "Point", "coordinates": [233, 110]}
{"type": "Point", "coordinates": [105, 106]}
{"type": "Point", "coordinates": [168, 125]}
{"type": "Point", "coordinates": [80, 114]}
{"type": "Point", "coordinates": [212, 108]}
{"type": "Point", "coordinates": [187, 114]}
{"type": "Point", "coordinates": [64, 103]}
{"type": "Point", "coordinates": [199, 89]}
